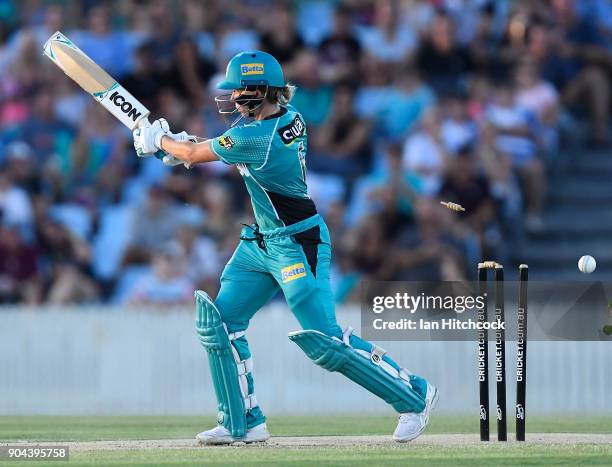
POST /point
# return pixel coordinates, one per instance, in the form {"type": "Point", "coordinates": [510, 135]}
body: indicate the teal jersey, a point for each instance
{"type": "Point", "coordinates": [271, 157]}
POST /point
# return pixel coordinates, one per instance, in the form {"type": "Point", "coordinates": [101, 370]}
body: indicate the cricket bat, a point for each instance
{"type": "Point", "coordinates": [98, 83]}
{"type": "Point", "coordinates": [95, 81]}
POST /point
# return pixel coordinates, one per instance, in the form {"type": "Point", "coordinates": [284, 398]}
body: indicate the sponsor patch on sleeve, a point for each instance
{"type": "Point", "coordinates": [293, 130]}
{"type": "Point", "coordinates": [226, 142]}
{"type": "Point", "coordinates": [293, 272]}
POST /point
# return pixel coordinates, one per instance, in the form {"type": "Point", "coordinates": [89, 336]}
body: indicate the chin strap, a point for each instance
{"type": "Point", "coordinates": [253, 107]}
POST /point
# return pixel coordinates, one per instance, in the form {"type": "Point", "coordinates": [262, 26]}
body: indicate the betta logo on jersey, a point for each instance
{"type": "Point", "coordinates": [293, 272]}
{"type": "Point", "coordinates": [294, 130]}
{"type": "Point", "coordinates": [125, 106]}
{"type": "Point", "coordinates": [226, 142]}
{"type": "Point", "coordinates": [252, 69]}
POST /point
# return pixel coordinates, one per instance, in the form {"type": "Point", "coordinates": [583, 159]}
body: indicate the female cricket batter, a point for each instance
{"type": "Point", "coordinates": [288, 248]}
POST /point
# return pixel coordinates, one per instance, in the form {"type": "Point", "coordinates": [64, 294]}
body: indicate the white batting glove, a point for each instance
{"type": "Point", "coordinates": [147, 139]}
{"type": "Point", "coordinates": [169, 159]}
{"type": "Point", "coordinates": [183, 136]}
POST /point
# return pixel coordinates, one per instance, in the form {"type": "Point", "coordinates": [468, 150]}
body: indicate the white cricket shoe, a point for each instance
{"type": "Point", "coordinates": [411, 425]}
{"type": "Point", "coordinates": [220, 435]}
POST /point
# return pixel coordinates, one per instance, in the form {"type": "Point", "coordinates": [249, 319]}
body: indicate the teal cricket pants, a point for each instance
{"type": "Point", "coordinates": [295, 259]}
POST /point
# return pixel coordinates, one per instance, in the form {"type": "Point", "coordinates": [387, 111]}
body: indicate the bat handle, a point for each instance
{"type": "Point", "coordinates": [160, 154]}
{"type": "Point", "coordinates": [145, 122]}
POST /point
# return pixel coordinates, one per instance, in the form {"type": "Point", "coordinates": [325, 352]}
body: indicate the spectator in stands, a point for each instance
{"type": "Point", "coordinates": [418, 15]}
{"type": "Point", "coordinates": [280, 38]}
{"type": "Point", "coordinates": [443, 62]}
{"type": "Point", "coordinates": [20, 80]}
{"type": "Point", "coordinates": [66, 261]}
{"type": "Point", "coordinates": [466, 185]}
{"type": "Point", "coordinates": [167, 284]}
{"type": "Point", "coordinates": [202, 262]}
{"type": "Point", "coordinates": [221, 221]}
{"type": "Point", "coordinates": [54, 18]}
{"type": "Point", "coordinates": [389, 39]}
{"type": "Point", "coordinates": [313, 97]}
{"type": "Point", "coordinates": [189, 73]}
{"type": "Point", "coordinates": [157, 222]}
{"type": "Point", "coordinates": [15, 204]}
{"type": "Point", "coordinates": [342, 144]}
{"type": "Point", "coordinates": [488, 54]}
{"type": "Point", "coordinates": [391, 189]}
{"type": "Point", "coordinates": [409, 100]}
{"type": "Point", "coordinates": [47, 134]}
{"type": "Point", "coordinates": [197, 21]}
{"type": "Point", "coordinates": [144, 81]}
{"type": "Point", "coordinates": [97, 157]}
{"type": "Point", "coordinates": [582, 49]}
{"type": "Point", "coordinates": [513, 132]}
{"type": "Point", "coordinates": [170, 104]}
{"type": "Point", "coordinates": [22, 169]}
{"type": "Point", "coordinates": [163, 36]}
{"type": "Point", "coordinates": [434, 247]}
{"type": "Point", "coordinates": [478, 97]}
{"type": "Point", "coordinates": [601, 15]}
{"type": "Point", "coordinates": [572, 59]}
{"type": "Point", "coordinates": [105, 46]}
{"type": "Point", "coordinates": [370, 251]}
{"type": "Point", "coordinates": [498, 168]}
{"type": "Point", "coordinates": [19, 279]}
{"type": "Point", "coordinates": [375, 98]}
{"type": "Point", "coordinates": [425, 153]}
{"type": "Point", "coordinates": [541, 99]}
{"type": "Point", "coordinates": [340, 52]}
{"type": "Point", "coordinates": [424, 250]}
{"type": "Point", "coordinates": [457, 129]}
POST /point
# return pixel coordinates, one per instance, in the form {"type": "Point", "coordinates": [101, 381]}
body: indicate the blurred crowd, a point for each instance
{"type": "Point", "coordinates": [408, 103]}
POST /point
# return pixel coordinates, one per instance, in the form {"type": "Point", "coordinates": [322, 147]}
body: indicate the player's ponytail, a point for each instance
{"type": "Point", "coordinates": [285, 94]}
{"type": "Point", "coordinates": [282, 95]}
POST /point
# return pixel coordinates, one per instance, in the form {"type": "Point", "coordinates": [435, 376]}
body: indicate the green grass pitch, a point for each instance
{"type": "Point", "coordinates": [85, 429]}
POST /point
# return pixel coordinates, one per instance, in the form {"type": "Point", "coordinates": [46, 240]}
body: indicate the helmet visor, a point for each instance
{"type": "Point", "coordinates": [247, 97]}
{"type": "Point", "coordinates": [225, 104]}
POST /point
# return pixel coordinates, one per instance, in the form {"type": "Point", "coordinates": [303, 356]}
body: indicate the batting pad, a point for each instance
{"type": "Point", "coordinates": [214, 338]}
{"type": "Point", "coordinates": [361, 367]}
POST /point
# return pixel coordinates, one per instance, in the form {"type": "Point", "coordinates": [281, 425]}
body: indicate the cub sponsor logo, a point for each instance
{"type": "Point", "coordinates": [252, 69]}
{"type": "Point", "coordinates": [293, 130]}
{"type": "Point", "coordinates": [293, 272]}
{"type": "Point", "coordinates": [226, 142]}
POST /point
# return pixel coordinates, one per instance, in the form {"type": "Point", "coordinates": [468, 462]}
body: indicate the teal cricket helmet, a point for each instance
{"type": "Point", "coordinates": [252, 68]}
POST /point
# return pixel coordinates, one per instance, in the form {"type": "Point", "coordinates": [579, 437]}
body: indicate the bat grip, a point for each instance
{"type": "Point", "coordinates": [160, 154]}
{"type": "Point", "coordinates": [145, 122]}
